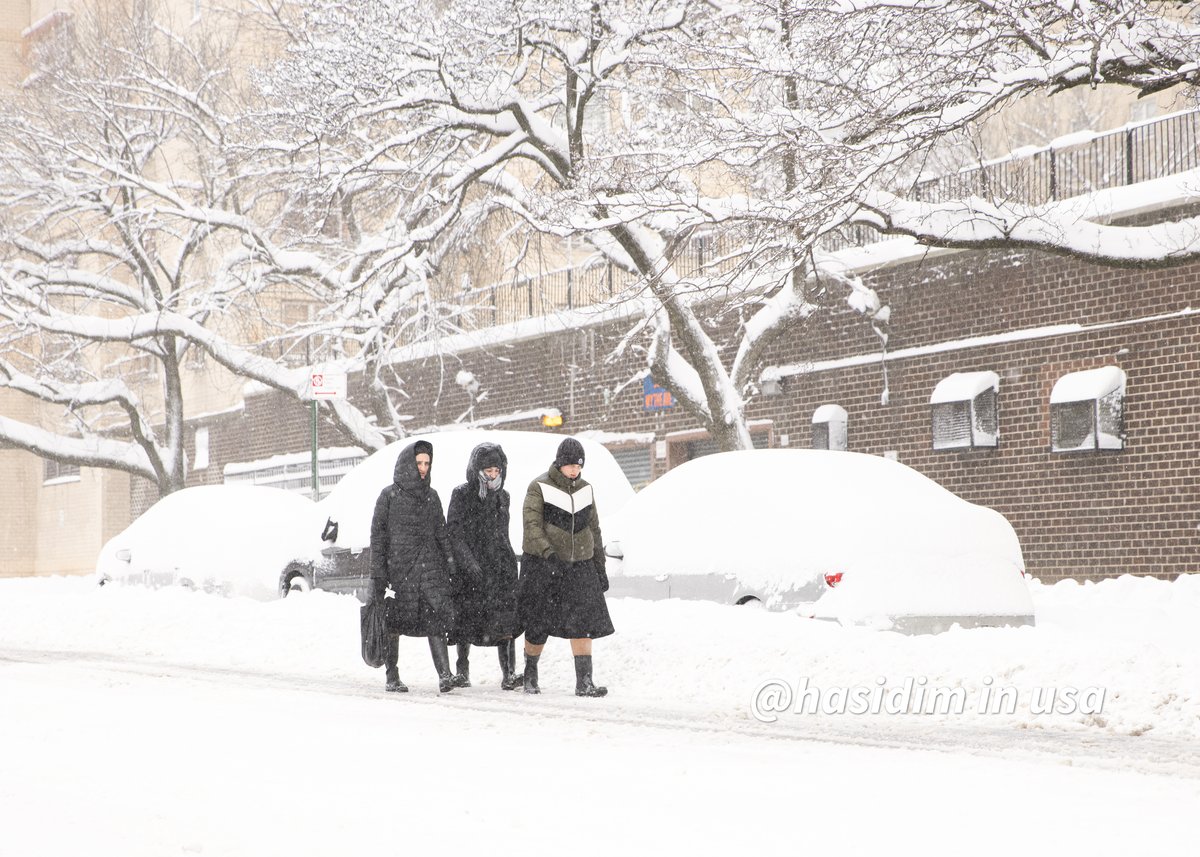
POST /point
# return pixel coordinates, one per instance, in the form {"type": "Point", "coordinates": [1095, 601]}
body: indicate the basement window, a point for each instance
{"type": "Point", "coordinates": [1087, 411]}
{"type": "Point", "coordinates": [829, 428]}
{"type": "Point", "coordinates": [963, 411]}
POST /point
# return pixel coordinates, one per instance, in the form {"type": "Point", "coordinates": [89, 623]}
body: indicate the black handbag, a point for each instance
{"type": "Point", "coordinates": [373, 624]}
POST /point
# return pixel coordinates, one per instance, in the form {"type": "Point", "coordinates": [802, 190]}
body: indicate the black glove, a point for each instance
{"type": "Point", "coordinates": [554, 565]}
{"type": "Point", "coordinates": [378, 585]}
{"type": "Point", "coordinates": [603, 575]}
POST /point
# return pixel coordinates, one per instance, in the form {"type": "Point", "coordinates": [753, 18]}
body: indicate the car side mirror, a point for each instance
{"type": "Point", "coordinates": [124, 555]}
{"type": "Point", "coordinates": [330, 532]}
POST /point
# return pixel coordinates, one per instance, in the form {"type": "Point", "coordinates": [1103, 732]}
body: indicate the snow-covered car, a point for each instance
{"type": "Point", "coordinates": [834, 535]}
{"type": "Point", "coordinates": [232, 539]}
{"type": "Point", "coordinates": [345, 565]}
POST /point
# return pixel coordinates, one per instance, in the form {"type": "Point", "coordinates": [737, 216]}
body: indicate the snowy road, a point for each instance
{"type": "Point", "coordinates": [141, 723]}
{"type": "Point", "coordinates": [1141, 754]}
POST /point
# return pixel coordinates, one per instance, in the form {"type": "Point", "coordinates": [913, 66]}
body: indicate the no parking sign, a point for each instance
{"type": "Point", "coordinates": [327, 385]}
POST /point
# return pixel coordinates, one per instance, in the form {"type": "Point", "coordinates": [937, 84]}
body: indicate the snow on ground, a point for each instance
{"type": "Point", "coordinates": [162, 722]}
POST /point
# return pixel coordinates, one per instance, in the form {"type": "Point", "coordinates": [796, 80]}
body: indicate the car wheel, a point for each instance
{"type": "Point", "coordinates": [750, 601]}
{"type": "Point", "coordinates": [296, 583]}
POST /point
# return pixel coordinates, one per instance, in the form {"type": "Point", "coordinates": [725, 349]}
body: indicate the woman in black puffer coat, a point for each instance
{"type": "Point", "coordinates": [412, 564]}
{"type": "Point", "coordinates": [486, 593]}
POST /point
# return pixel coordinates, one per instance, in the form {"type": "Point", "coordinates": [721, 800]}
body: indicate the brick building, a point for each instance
{"type": "Point", "coordinates": [1029, 318]}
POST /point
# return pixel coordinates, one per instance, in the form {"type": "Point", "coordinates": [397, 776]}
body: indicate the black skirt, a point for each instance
{"type": "Point", "coordinates": [486, 615]}
{"type": "Point", "coordinates": [569, 605]}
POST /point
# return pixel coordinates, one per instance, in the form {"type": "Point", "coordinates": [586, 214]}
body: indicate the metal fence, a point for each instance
{"type": "Point", "coordinates": [1125, 156]}
{"type": "Point", "coordinates": [1129, 155]}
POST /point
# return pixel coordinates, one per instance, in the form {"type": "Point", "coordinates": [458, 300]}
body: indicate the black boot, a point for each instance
{"type": "Point", "coordinates": [441, 663]}
{"type": "Point", "coordinates": [462, 677]}
{"type": "Point", "coordinates": [391, 654]}
{"type": "Point", "coordinates": [531, 678]}
{"type": "Point", "coordinates": [509, 678]}
{"type": "Point", "coordinates": [583, 678]}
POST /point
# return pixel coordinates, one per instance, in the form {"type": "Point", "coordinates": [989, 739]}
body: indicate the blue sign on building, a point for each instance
{"type": "Point", "coordinates": [656, 398]}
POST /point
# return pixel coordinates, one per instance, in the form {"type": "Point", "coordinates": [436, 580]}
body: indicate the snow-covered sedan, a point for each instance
{"type": "Point", "coordinates": [232, 539]}
{"type": "Point", "coordinates": [345, 565]}
{"type": "Point", "coordinates": [834, 535]}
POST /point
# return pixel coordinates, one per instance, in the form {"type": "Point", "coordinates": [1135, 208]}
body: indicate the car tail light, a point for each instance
{"type": "Point", "coordinates": [832, 580]}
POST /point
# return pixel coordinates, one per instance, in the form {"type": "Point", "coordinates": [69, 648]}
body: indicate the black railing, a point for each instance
{"type": "Point", "coordinates": [1125, 156]}
{"type": "Point", "coordinates": [1128, 155]}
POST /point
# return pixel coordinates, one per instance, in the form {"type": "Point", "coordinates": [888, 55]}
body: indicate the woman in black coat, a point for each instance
{"type": "Point", "coordinates": [412, 564]}
{"type": "Point", "coordinates": [486, 593]}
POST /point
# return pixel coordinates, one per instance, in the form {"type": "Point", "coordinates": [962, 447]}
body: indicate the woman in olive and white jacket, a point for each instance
{"type": "Point", "coordinates": [563, 579]}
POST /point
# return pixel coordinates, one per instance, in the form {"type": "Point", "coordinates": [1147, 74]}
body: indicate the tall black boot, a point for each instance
{"type": "Point", "coordinates": [441, 663]}
{"type": "Point", "coordinates": [583, 678]}
{"type": "Point", "coordinates": [510, 679]}
{"type": "Point", "coordinates": [531, 676]}
{"type": "Point", "coordinates": [462, 677]}
{"type": "Point", "coordinates": [391, 655]}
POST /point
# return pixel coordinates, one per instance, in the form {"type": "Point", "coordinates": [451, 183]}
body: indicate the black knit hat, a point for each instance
{"type": "Point", "coordinates": [490, 457]}
{"type": "Point", "coordinates": [570, 451]}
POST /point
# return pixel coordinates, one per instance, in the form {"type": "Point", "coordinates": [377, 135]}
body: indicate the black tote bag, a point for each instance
{"type": "Point", "coordinates": [374, 633]}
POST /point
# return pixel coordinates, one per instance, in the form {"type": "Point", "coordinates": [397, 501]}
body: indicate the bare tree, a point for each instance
{"type": "Point", "coordinates": [130, 202]}
{"type": "Point", "coordinates": [150, 205]}
{"type": "Point", "coordinates": [593, 120]}
{"type": "Point", "coordinates": [900, 80]}
{"type": "Point", "coordinates": [639, 124]}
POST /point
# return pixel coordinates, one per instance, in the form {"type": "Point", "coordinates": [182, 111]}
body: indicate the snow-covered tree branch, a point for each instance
{"type": "Point", "coordinates": [131, 204]}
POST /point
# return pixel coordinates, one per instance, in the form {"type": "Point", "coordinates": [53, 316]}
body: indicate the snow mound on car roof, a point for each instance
{"type": "Point", "coordinates": [783, 519]}
{"type": "Point", "coordinates": [235, 538]}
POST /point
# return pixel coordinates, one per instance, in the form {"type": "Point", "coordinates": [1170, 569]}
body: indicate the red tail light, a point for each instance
{"type": "Point", "coordinates": [832, 580]}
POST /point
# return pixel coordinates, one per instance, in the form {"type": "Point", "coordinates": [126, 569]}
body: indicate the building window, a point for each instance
{"type": "Point", "coordinates": [196, 359]}
{"type": "Point", "coordinates": [57, 472]}
{"type": "Point", "coordinates": [297, 346]}
{"type": "Point", "coordinates": [636, 462]}
{"type": "Point", "coordinates": [201, 444]}
{"type": "Point", "coordinates": [829, 428]}
{"type": "Point", "coordinates": [963, 410]}
{"type": "Point", "coordinates": [1087, 411]}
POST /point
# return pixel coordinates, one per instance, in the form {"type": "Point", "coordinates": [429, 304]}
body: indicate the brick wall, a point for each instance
{"type": "Point", "coordinates": [1082, 515]}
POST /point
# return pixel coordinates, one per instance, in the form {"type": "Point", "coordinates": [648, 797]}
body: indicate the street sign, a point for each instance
{"type": "Point", "coordinates": [655, 398]}
{"type": "Point", "coordinates": [322, 385]}
{"type": "Point", "coordinates": [327, 385]}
